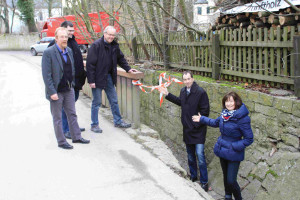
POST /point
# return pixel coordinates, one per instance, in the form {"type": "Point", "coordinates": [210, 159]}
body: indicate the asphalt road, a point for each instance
{"type": "Point", "coordinates": [32, 167]}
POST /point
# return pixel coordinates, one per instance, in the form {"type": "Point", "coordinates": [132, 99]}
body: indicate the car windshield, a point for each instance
{"type": "Point", "coordinates": [47, 39]}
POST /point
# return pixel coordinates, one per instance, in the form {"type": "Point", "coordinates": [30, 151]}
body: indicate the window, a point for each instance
{"type": "Point", "coordinates": [41, 16]}
{"type": "Point", "coordinates": [208, 10]}
{"type": "Point", "coordinates": [199, 11]}
{"type": "Point", "coordinates": [44, 34]}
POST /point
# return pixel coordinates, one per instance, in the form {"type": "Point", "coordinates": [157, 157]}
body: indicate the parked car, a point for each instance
{"type": "Point", "coordinates": [40, 46]}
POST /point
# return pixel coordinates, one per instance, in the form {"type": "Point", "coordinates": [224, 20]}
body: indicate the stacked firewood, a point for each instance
{"type": "Point", "coordinates": [284, 17]}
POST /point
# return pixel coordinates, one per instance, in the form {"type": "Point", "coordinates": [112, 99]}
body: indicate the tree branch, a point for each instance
{"type": "Point", "coordinates": [176, 19]}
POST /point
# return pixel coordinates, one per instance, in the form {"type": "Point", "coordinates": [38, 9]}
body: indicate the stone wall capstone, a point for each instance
{"type": "Point", "coordinates": [275, 123]}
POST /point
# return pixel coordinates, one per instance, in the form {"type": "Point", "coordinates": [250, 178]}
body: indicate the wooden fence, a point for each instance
{"type": "Point", "coordinates": [264, 55]}
{"type": "Point", "coordinates": [259, 55]}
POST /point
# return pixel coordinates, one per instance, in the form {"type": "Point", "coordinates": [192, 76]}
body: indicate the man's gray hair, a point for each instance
{"type": "Point", "coordinates": [109, 27]}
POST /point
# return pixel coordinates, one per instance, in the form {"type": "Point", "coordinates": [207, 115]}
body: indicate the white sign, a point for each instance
{"type": "Point", "coordinates": [262, 6]}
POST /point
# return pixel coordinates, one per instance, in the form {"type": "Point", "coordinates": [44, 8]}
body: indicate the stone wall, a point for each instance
{"type": "Point", "coordinates": [275, 123]}
{"type": "Point", "coordinates": [18, 42]}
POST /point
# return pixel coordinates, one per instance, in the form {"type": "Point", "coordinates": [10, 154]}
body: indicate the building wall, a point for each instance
{"type": "Point", "coordinates": [205, 18]}
{"type": "Point", "coordinates": [18, 25]}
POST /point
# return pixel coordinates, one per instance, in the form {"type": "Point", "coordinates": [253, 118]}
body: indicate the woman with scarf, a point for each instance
{"type": "Point", "coordinates": [236, 135]}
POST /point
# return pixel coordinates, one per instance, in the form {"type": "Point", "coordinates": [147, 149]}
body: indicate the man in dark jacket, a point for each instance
{"type": "Point", "coordinates": [80, 73]}
{"type": "Point", "coordinates": [103, 57]}
{"type": "Point", "coordinates": [192, 99]}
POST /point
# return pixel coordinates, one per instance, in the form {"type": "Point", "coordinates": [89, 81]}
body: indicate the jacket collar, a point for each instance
{"type": "Point", "coordinates": [72, 38]}
{"type": "Point", "coordinates": [57, 53]}
{"type": "Point", "coordinates": [112, 43]}
{"type": "Point", "coordinates": [193, 88]}
{"type": "Point", "coordinates": [241, 112]}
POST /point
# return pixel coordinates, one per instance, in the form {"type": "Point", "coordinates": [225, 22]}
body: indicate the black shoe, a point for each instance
{"type": "Point", "coordinates": [193, 179]}
{"type": "Point", "coordinates": [204, 186]}
{"type": "Point", "coordinates": [65, 146]}
{"type": "Point", "coordinates": [68, 135]}
{"type": "Point", "coordinates": [123, 125]}
{"type": "Point", "coordinates": [82, 129]}
{"type": "Point", "coordinates": [82, 141]}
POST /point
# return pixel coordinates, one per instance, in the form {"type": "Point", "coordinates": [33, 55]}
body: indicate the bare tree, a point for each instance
{"type": "Point", "coordinates": [129, 9]}
{"type": "Point", "coordinates": [4, 14]}
{"type": "Point", "coordinates": [156, 18]}
{"type": "Point", "coordinates": [14, 6]}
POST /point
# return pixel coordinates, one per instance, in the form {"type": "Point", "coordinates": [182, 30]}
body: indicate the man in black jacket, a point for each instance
{"type": "Point", "coordinates": [192, 99]}
{"type": "Point", "coordinates": [80, 73]}
{"type": "Point", "coordinates": [103, 57]}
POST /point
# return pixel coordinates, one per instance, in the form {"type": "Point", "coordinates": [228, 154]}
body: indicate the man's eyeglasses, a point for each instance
{"type": "Point", "coordinates": [111, 35]}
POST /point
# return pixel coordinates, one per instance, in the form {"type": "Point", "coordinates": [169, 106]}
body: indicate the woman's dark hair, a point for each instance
{"type": "Point", "coordinates": [237, 99]}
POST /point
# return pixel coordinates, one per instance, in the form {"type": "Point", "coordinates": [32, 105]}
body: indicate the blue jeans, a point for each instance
{"type": "Point", "coordinates": [111, 94]}
{"type": "Point", "coordinates": [192, 151]}
{"type": "Point", "coordinates": [230, 170]}
{"type": "Point", "coordinates": [64, 119]}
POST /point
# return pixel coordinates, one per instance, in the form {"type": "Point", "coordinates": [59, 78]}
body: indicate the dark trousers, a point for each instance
{"type": "Point", "coordinates": [65, 124]}
{"type": "Point", "coordinates": [230, 170]}
{"type": "Point", "coordinates": [66, 101]}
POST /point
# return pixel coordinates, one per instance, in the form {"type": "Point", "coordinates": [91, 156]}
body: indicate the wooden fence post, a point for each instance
{"type": "Point", "coordinates": [296, 44]}
{"type": "Point", "coordinates": [134, 50]}
{"type": "Point", "coordinates": [215, 56]}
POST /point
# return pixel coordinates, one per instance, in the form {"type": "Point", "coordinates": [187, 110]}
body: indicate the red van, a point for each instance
{"type": "Point", "coordinates": [81, 34]}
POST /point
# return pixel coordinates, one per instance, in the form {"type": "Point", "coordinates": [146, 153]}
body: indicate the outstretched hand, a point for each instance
{"type": "Point", "coordinates": [163, 90]}
{"type": "Point", "coordinates": [196, 118]}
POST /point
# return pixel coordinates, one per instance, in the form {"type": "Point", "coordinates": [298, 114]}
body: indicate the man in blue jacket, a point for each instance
{"type": "Point", "coordinates": [103, 57]}
{"type": "Point", "coordinates": [80, 73]}
{"type": "Point", "coordinates": [192, 99]}
{"type": "Point", "coordinates": [59, 75]}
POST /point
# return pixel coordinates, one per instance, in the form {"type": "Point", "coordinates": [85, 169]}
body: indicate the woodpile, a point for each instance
{"type": "Point", "coordinates": [282, 18]}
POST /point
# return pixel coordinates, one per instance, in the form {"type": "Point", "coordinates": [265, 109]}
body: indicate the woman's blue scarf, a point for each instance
{"type": "Point", "coordinates": [226, 114]}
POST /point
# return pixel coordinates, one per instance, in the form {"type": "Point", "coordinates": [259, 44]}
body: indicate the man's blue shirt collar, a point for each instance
{"type": "Point", "coordinates": [66, 51]}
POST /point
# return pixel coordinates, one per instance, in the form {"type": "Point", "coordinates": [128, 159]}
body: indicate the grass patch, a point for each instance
{"type": "Point", "coordinates": [272, 173]}
{"type": "Point", "coordinates": [205, 79]}
{"type": "Point", "coordinates": [255, 177]}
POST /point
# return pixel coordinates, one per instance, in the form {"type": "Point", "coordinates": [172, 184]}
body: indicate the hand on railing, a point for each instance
{"type": "Point", "coordinates": [133, 71]}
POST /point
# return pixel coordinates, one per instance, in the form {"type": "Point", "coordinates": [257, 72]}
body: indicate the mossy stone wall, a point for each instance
{"type": "Point", "coordinates": [275, 123]}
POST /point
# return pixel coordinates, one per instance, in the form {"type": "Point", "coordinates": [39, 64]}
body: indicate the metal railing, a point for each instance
{"type": "Point", "coordinates": [128, 96]}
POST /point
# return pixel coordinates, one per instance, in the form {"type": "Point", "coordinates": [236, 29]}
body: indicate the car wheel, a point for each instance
{"type": "Point", "coordinates": [33, 52]}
